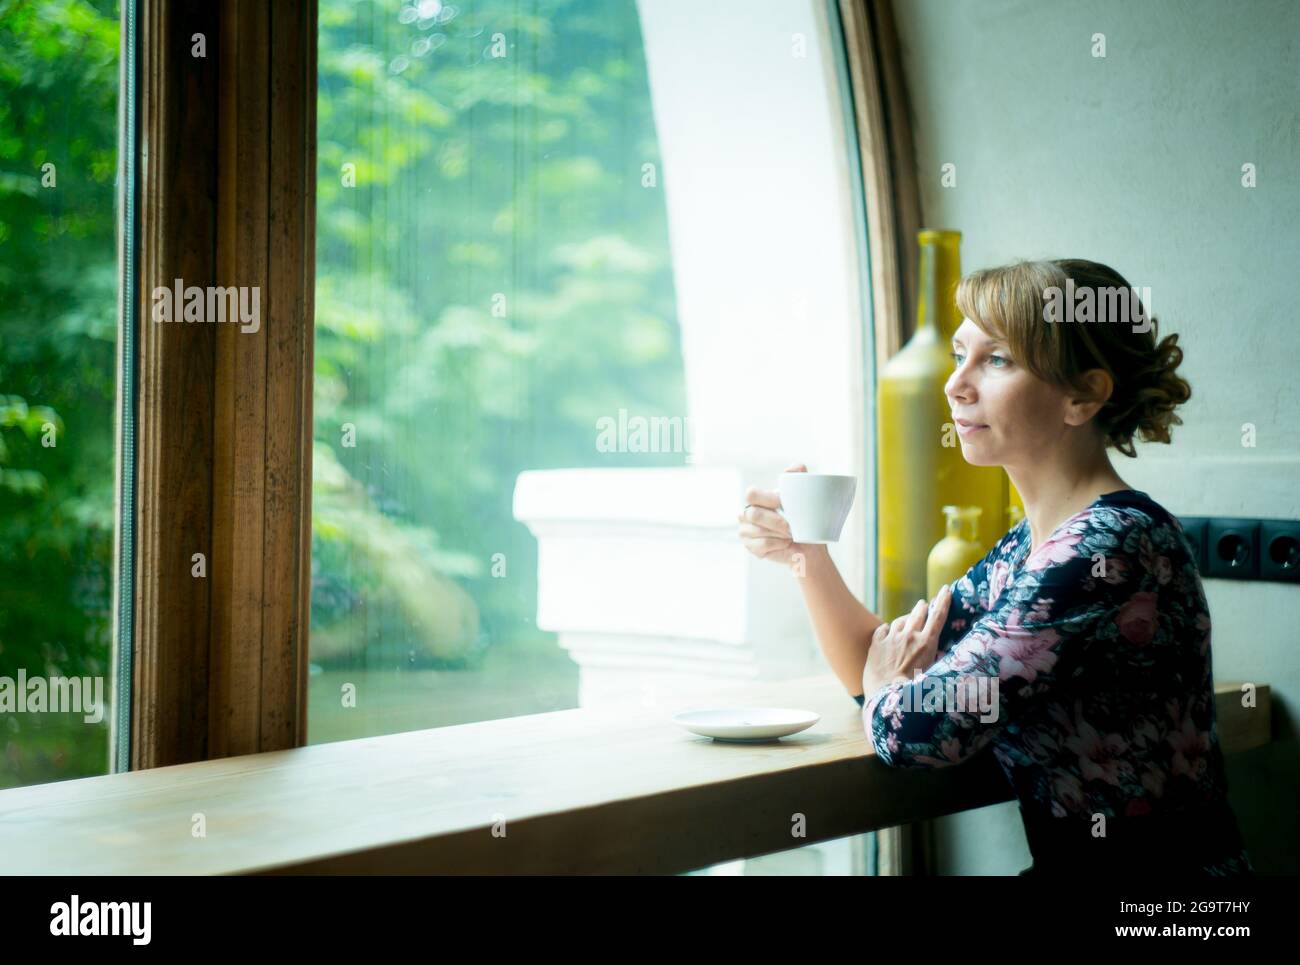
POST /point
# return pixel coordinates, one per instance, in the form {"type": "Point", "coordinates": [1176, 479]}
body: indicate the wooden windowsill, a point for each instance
{"type": "Point", "coordinates": [574, 791]}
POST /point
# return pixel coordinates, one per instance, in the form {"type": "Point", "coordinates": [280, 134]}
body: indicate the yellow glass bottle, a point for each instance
{"type": "Point", "coordinates": [920, 464]}
{"type": "Point", "coordinates": [957, 552]}
{"type": "Point", "coordinates": [1015, 506]}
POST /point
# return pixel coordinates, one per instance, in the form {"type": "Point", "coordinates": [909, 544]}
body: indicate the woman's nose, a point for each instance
{"type": "Point", "coordinates": [958, 386]}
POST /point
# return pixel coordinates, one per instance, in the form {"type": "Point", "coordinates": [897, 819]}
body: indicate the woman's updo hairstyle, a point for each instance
{"type": "Point", "coordinates": [1062, 318]}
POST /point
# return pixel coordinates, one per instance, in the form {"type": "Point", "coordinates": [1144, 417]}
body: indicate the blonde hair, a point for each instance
{"type": "Point", "coordinates": [1013, 302]}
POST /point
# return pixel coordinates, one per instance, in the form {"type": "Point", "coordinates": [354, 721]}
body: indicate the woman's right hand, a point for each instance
{"type": "Point", "coordinates": [763, 530]}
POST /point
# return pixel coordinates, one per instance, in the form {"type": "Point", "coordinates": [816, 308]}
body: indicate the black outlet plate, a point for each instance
{"type": "Point", "coordinates": [1196, 528]}
{"type": "Point", "coordinates": [1270, 548]}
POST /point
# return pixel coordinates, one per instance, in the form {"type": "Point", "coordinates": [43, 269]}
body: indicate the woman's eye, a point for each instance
{"type": "Point", "coordinates": [1003, 362]}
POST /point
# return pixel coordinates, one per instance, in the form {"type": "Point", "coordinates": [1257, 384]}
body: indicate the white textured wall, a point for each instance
{"type": "Point", "coordinates": [1135, 160]}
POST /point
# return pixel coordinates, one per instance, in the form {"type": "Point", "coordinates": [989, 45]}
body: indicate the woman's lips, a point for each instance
{"type": "Point", "coordinates": [969, 430]}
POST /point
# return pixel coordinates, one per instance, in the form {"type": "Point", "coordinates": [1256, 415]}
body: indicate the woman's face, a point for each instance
{"type": "Point", "coordinates": [1023, 417]}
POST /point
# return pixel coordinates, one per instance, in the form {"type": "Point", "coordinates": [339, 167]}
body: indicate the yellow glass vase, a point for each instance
{"type": "Point", "coordinates": [957, 552]}
{"type": "Point", "coordinates": [920, 465]}
{"type": "Point", "coordinates": [1015, 506]}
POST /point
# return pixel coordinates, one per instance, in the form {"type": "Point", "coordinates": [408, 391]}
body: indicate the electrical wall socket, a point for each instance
{"type": "Point", "coordinates": [1279, 550]}
{"type": "Point", "coordinates": [1232, 548]}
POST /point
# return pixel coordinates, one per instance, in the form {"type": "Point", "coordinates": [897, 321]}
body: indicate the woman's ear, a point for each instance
{"type": "Point", "coordinates": [1098, 388]}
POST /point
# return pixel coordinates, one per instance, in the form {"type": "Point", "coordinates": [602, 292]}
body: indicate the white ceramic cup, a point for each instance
{"type": "Point", "coordinates": [815, 504]}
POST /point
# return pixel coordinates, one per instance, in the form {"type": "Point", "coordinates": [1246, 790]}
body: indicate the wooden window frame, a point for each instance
{"type": "Point", "coordinates": [227, 198]}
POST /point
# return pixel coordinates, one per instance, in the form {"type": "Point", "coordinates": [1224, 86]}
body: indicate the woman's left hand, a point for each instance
{"type": "Point", "coordinates": [910, 643]}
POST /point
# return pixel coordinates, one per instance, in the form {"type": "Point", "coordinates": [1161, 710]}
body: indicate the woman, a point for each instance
{"type": "Point", "coordinates": [1086, 621]}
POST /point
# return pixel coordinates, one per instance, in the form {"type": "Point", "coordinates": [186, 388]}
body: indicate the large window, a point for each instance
{"type": "Point", "coordinates": [584, 269]}
{"type": "Point", "coordinates": [58, 339]}
{"type": "Point", "coordinates": [572, 295]}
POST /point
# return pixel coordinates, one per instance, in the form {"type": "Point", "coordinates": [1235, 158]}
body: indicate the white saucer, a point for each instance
{"type": "Point", "coordinates": [746, 724]}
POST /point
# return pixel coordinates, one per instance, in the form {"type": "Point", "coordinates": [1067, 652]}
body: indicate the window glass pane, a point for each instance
{"type": "Point", "coordinates": [58, 343]}
{"type": "Point", "coordinates": [491, 275]}
{"type": "Point", "coordinates": [585, 269]}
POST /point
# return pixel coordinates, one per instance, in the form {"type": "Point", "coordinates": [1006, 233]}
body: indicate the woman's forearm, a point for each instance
{"type": "Point", "coordinates": [842, 624]}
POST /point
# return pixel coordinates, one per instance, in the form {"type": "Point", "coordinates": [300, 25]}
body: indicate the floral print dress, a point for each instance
{"type": "Point", "coordinates": [1093, 658]}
